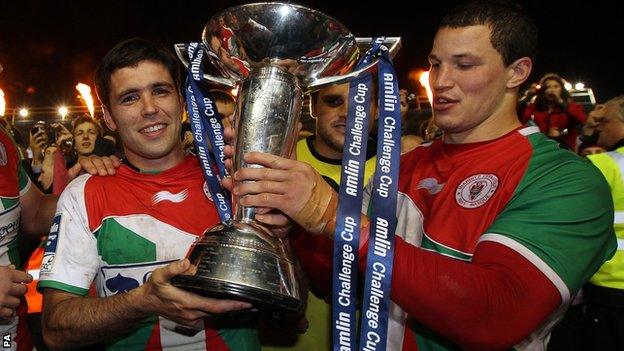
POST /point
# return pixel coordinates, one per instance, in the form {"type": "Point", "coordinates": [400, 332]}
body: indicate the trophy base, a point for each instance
{"type": "Point", "coordinates": [243, 261]}
{"type": "Point", "coordinates": [276, 306]}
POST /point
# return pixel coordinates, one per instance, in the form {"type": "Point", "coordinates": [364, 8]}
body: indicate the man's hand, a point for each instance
{"type": "Point", "coordinates": [102, 165]}
{"type": "Point", "coordinates": [186, 308]}
{"type": "Point", "coordinates": [290, 186]}
{"type": "Point", "coordinates": [11, 288]}
{"type": "Point", "coordinates": [63, 134]}
{"type": "Point", "coordinates": [37, 142]}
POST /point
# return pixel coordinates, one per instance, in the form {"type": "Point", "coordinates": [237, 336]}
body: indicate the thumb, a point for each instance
{"type": "Point", "coordinates": [173, 269]}
{"type": "Point", "coordinates": [74, 171]}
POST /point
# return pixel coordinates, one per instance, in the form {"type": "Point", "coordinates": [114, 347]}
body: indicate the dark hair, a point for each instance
{"type": "Point", "coordinates": [513, 32]}
{"type": "Point", "coordinates": [85, 119]}
{"type": "Point", "coordinates": [130, 53]}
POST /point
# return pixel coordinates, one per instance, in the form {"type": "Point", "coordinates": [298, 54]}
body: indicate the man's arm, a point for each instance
{"type": "Point", "coordinates": [37, 208]}
{"type": "Point", "coordinates": [71, 320]}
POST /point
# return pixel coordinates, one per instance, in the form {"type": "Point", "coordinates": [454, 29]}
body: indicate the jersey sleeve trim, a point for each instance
{"type": "Point", "coordinates": [533, 258]}
{"type": "Point", "coordinates": [529, 130]}
{"type": "Point", "coordinates": [61, 286]}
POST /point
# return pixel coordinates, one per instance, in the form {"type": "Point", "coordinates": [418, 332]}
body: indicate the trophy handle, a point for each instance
{"type": "Point", "coordinates": [180, 50]}
{"type": "Point", "coordinates": [393, 44]}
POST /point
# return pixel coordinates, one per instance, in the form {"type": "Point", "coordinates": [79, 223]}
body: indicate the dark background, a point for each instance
{"type": "Point", "coordinates": [46, 47]}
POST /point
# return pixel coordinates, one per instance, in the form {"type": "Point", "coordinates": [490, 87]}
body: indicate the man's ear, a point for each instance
{"type": "Point", "coordinates": [519, 71]}
{"type": "Point", "coordinates": [108, 119]}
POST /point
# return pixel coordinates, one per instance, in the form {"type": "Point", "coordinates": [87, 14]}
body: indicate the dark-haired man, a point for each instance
{"type": "Point", "coordinates": [130, 233]}
{"type": "Point", "coordinates": [493, 236]}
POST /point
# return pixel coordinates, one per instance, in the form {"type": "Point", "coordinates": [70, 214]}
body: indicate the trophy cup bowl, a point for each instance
{"type": "Point", "coordinates": [274, 53]}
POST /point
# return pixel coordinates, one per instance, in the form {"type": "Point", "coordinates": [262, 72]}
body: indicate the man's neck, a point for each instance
{"type": "Point", "coordinates": [158, 165]}
{"type": "Point", "coordinates": [326, 151]}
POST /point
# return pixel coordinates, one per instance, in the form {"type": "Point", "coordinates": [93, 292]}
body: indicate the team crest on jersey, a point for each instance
{"type": "Point", "coordinates": [476, 190]}
{"type": "Point", "coordinates": [207, 191]}
{"type": "Point", "coordinates": [3, 155]}
{"type": "Point", "coordinates": [119, 279]}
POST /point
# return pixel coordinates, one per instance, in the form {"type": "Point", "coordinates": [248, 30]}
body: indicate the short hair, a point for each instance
{"type": "Point", "coordinates": [130, 53]}
{"type": "Point", "coordinates": [85, 119]}
{"type": "Point", "coordinates": [619, 101]}
{"type": "Point", "coordinates": [513, 31]}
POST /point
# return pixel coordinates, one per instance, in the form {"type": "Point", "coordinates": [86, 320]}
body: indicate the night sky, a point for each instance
{"type": "Point", "coordinates": [46, 47]}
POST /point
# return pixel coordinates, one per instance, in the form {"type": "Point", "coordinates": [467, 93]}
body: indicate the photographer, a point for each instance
{"type": "Point", "coordinates": [554, 112]}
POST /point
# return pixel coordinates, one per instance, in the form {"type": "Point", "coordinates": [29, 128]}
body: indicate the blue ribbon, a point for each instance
{"type": "Point", "coordinates": [346, 236]}
{"type": "Point", "coordinates": [207, 132]}
{"type": "Point", "coordinates": [378, 278]}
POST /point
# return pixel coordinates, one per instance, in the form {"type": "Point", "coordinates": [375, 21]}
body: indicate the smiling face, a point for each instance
{"type": "Point", "coordinates": [146, 108]}
{"type": "Point", "coordinates": [474, 93]}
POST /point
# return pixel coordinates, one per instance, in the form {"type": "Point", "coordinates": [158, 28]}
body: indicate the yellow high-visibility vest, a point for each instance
{"type": "Point", "coordinates": [611, 164]}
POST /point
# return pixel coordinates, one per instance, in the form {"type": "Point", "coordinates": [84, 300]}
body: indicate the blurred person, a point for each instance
{"type": "Point", "coordinates": [604, 295]}
{"type": "Point", "coordinates": [492, 218]}
{"type": "Point", "coordinates": [37, 141]}
{"type": "Point", "coordinates": [554, 112]}
{"type": "Point", "coordinates": [129, 233]}
{"type": "Point", "coordinates": [408, 141]}
{"type": "Point", "coordinates": [24, 209]}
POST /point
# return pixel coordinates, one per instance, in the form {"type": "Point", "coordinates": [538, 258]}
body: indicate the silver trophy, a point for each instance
{"type": "Point", "coordinates": [273, 53]}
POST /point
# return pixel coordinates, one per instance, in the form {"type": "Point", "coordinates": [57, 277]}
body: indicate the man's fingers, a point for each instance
{"type": "Point", "coordinates": [163, 275]}
{"type": "Point", "coordinates": [273, 219]}
{"type": "Point", "coordinates": [227, 183]}
{"type": "Point", "coordinates": [264, 200]}
{"type": "Point", "coordinates": [11, 302]}
{"type": "Point", "coordinates": [259, 187]}
{"type": "Point", "coordinates": [268, 160]}
{"type": "Point", "coordinates": [277, 175]}
{"type": "Point", "coordinates": [18, 276]}
{"type": "Point", "coordinates": [6, 312]}
{"type": "Point", "coordinates": [18, 289]}
{"type": "Point", "coordinates": [210, 305]}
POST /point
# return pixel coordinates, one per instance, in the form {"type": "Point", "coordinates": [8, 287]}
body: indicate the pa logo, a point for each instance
{"type": "Point", "coordinates": [6, 341]}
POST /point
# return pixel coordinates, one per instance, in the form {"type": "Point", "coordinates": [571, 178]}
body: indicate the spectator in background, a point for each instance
{"type": "Point", "coordinates": [408, 141]}
{"type": "Point", "coordinates": [85, 131]}
{"type": "Point", "coordinates": [554, 112]}
{"type": "Point", "coordinates": [604, 294]}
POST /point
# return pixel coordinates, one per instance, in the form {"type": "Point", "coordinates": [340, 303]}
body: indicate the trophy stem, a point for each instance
{"type": "Point", "coordinates": [269, 107]}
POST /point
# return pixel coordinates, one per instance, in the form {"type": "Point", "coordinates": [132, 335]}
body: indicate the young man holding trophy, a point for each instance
{"type": "Point", "coordinates": [492, 240]}
{"type": "Point", "coordinates": [128, 233]}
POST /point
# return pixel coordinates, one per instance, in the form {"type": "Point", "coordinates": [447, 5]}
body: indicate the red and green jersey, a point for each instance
{"type": "Point", "coordinates": [116, 230]}
{"type": "Point", "coordinates": [13, 183]}
{"type": "Point", "coordinates": [520, 191]}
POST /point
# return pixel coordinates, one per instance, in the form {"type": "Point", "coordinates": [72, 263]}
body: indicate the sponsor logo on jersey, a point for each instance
{"type": "Point", "coordinates": [476, 190]}
{"type": "Point", "coordinates": [431, 185]}
{"type": "Point", "coordinates": [9, 227]}
{"type": "Point", "coordinates": [3, 155]}
{"type": "Point", "coordinates": [50, 249]}
{"type": "Point", "coordinates": [120, 279]}
{"type": "Point", "coordinates": [207, 191]}
{"type": "Point", "coordinates": [168, 196]}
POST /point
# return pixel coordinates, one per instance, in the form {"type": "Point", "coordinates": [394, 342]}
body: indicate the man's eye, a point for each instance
{"type": "Point", "coordinates": [161, 91]}
{"type": "Point", "coordinates": [129, 98]}
{"type": "Point", "coordinates": [465, 65]}
{"type": "Point", "coordinates": [334, 102]}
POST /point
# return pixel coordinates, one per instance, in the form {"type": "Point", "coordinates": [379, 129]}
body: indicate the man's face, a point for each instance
{"type": "Point", "coordinates": [85, 135]}
{"type": "Point", "coordinates": [146, 110]}
{"type": "Point", "coordinates": [468, 79]}
{"type": "Point", "coordinates": [610, 126]}
{"type": "Point", "coordinates": [330, 110]}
